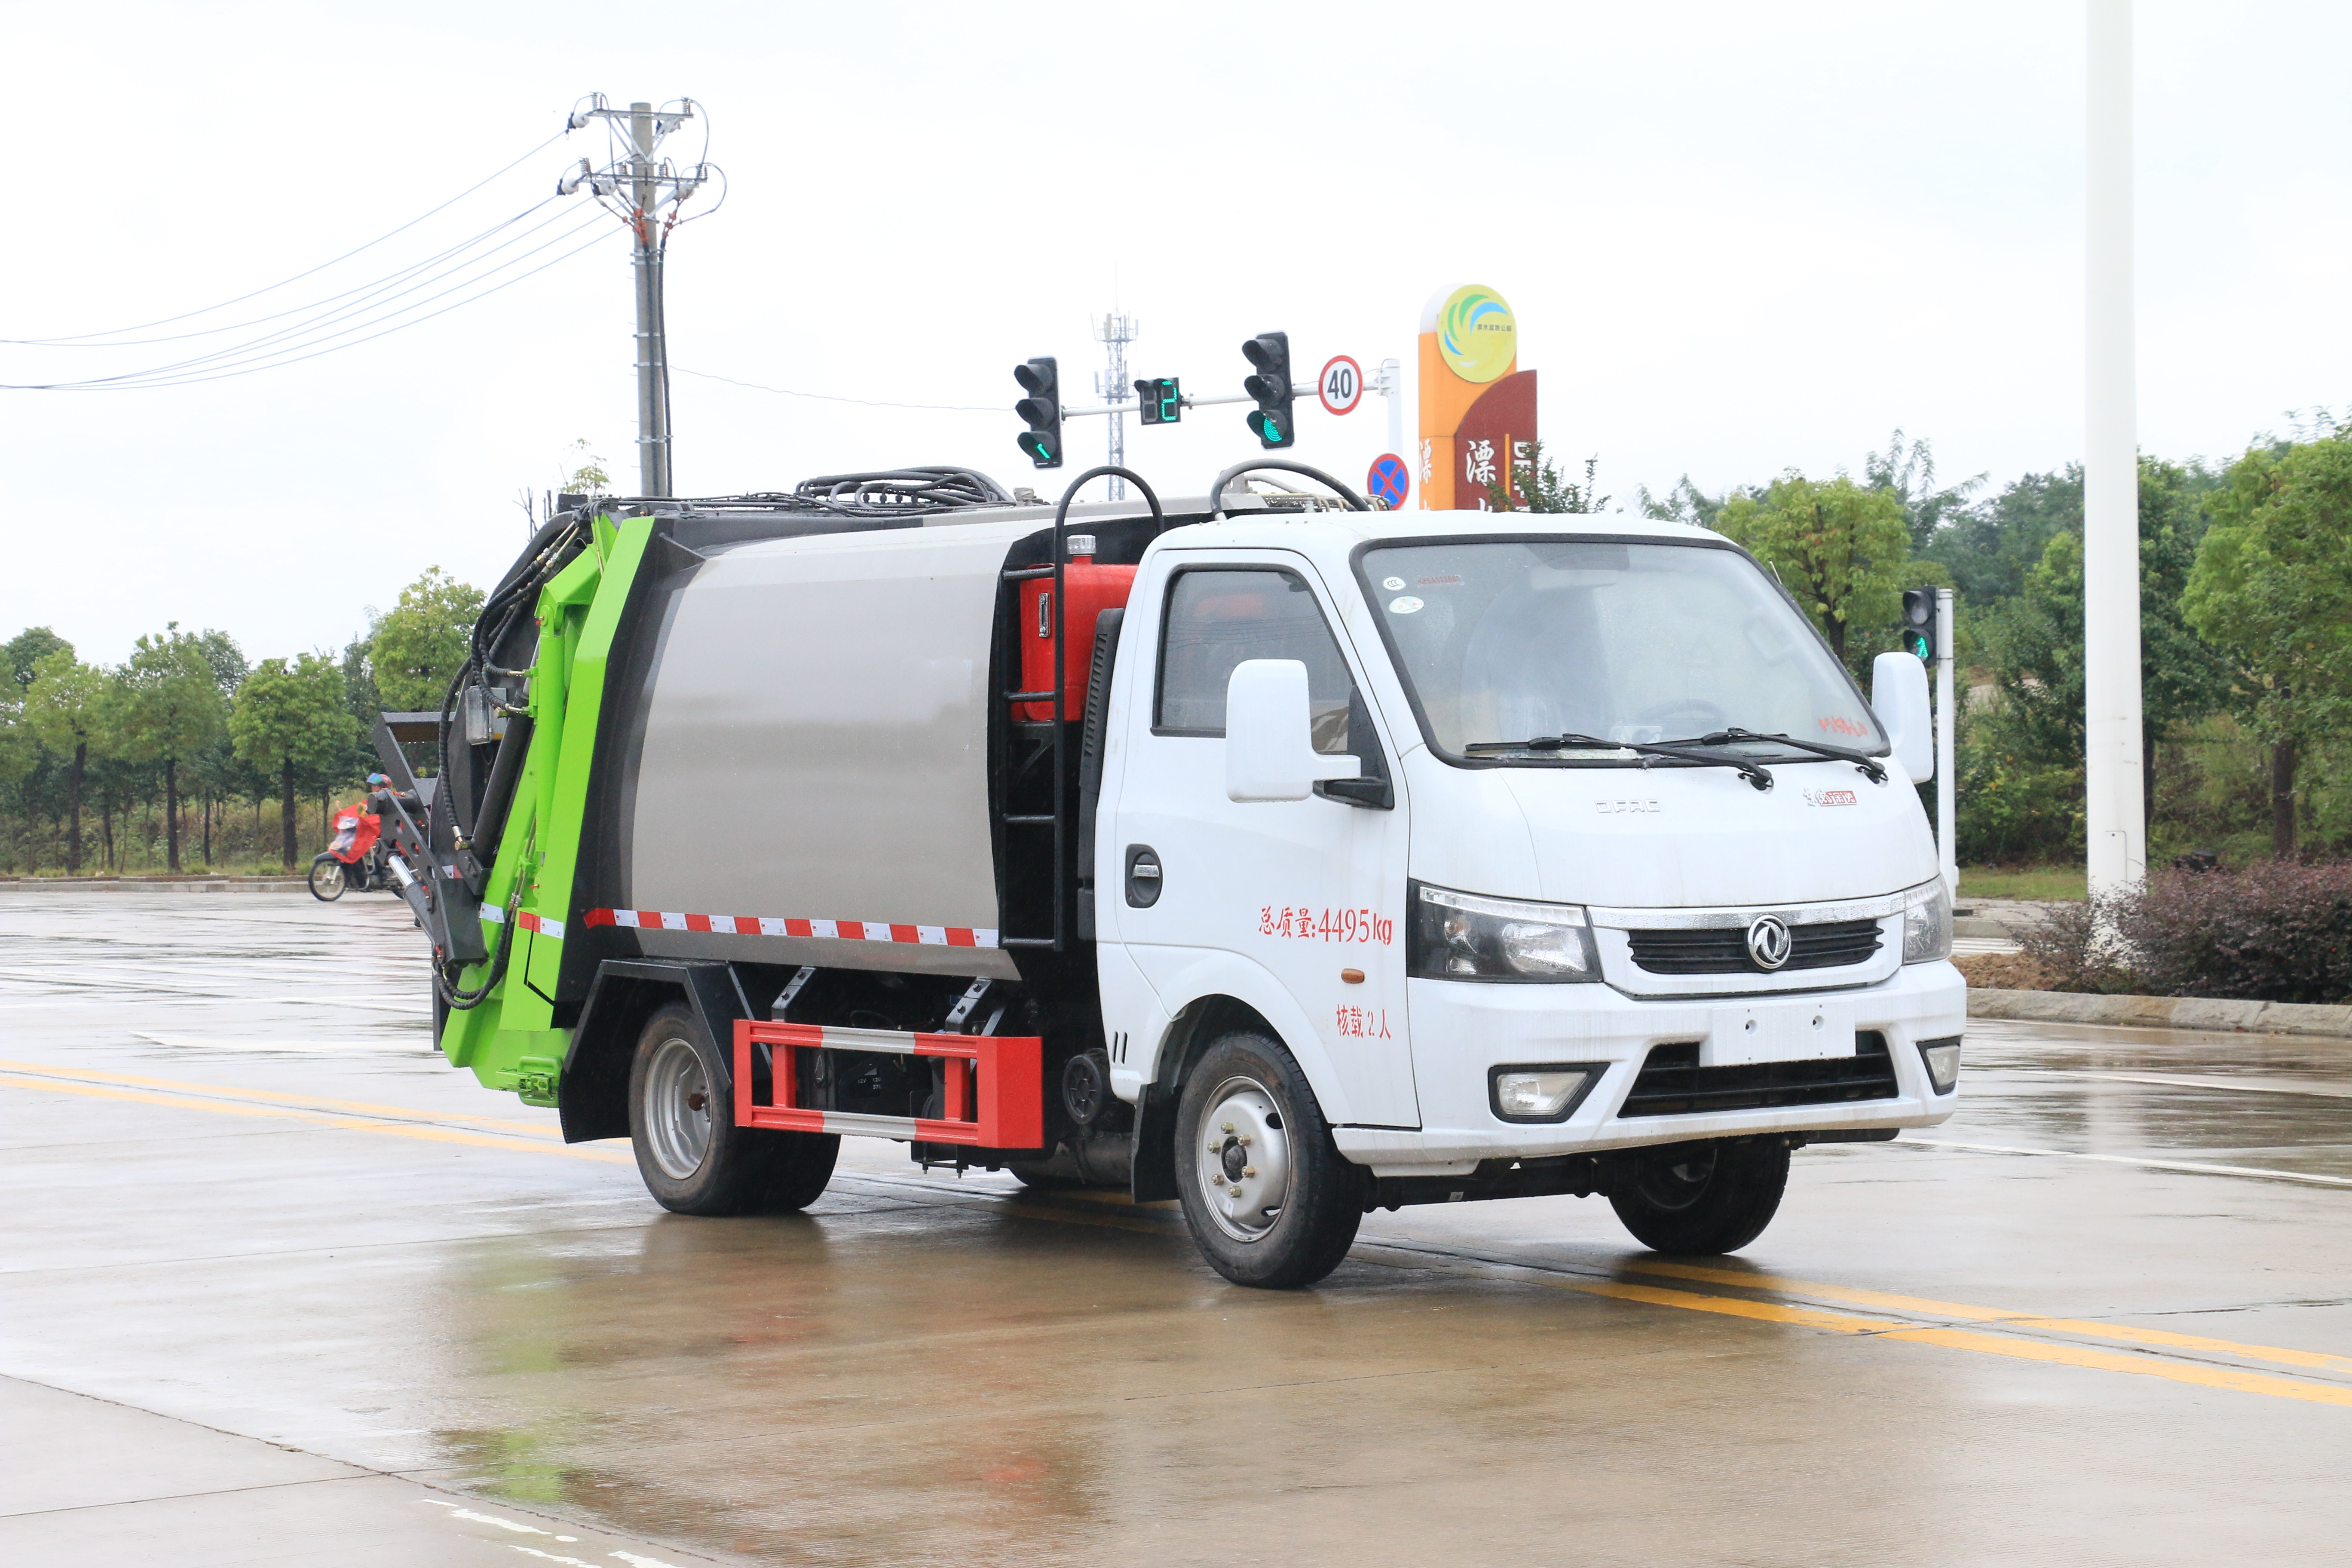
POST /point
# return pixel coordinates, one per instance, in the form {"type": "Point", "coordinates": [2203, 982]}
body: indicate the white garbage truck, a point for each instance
{"type": "Point", "coordinates": [1268, 852]}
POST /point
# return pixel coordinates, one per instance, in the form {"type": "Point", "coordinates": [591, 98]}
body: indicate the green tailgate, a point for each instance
{"type": "Point", "coordinates": [510, 1040]}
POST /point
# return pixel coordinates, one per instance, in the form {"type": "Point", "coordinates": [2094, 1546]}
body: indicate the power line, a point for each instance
{"type": "Point", "coordinates": [373, 297]}
{"type": "Point", "coordinates": [458, 249]}
{"type": "Point", "coordinates": [285, 354]}
{"type": "Point", "coordinates": [829, 397]}
{"type": "Point", "coordinates": [167, 321]}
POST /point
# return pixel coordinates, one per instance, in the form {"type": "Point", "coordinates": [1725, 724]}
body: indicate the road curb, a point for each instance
{"type": "Point", "coordinates": [161, 885]}
{"type": "Point", "coordinates": [2162, 1012]}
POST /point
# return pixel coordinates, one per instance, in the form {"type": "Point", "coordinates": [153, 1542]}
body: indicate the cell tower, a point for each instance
{"type": "Point", "coordinates": [1115, 331]}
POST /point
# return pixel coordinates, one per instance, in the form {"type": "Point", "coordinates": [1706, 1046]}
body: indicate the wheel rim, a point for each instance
{"type": "Point", "coordinates": [1676, 1181]}
{"type": "Point", "coordinates": [1244, 1164]}
{"type": "Point", "coordinates": [678, 1109]}
{"type": "Point", "coordinates": [327, 878]}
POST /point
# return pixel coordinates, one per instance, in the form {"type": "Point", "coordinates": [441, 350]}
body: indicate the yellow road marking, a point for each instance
{"type": "Point", "coordinates": [91, 1075]}
{"type": "Point", "coordinates": [2190, 1372]}
{"type": "Point", "coordinates": [25, 1076]}
{"type": "Point", "coordinates": [409, 1128]}
{"type": "Point", "coordinates": [2319, 1360]}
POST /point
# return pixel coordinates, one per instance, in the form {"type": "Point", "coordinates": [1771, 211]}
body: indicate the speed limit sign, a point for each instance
{"type": "Point", "coordinates": [1342, 386]}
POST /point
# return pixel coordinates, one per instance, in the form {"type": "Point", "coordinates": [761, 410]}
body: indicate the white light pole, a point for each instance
{"type": "Point", "coordinates": [1947, 715]}
{"type": "Point", "coordinates": [2114, 803]}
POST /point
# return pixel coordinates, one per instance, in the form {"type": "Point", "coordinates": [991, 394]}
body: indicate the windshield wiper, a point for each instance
{"type": "Point", "coordinates": [1754, 775]}
{"type": "Point", "coordinates": [1862, 760]}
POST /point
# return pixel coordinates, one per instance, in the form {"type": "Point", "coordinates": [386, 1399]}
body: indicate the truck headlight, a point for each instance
{"type": "Point", "coordinates": [1926, 922]}
{"type": "Point", "coordinates": [1460, 936]}
{"type": "Point", "coordinates": [1546, 1093]}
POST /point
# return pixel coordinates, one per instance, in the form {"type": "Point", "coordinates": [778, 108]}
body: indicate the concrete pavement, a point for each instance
{"type": "Point", "coordinates": [277, 1286]}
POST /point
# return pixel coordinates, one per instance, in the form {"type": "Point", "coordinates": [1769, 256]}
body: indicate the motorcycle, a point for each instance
{"type": "Point", "coordinates": [359, 858]}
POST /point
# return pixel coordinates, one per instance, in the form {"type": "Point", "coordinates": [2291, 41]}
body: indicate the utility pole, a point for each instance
{"type": "Point", "coordinates": [2115, 799]}
{"type": "Point", "coordinates": [644, 194]}
{"type": "Point", "coordinates": [1115, 332]}
{"type": "Point", "coordinates": [653, 350]}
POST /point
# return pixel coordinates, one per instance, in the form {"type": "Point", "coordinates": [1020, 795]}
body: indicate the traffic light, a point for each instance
{"type": "Point", "coordinates": [1919, 623]}
{"type": "Point", "coordinates": [1270, 421]}
{"type": "Point", "coordinates": [1162, 400]}
{"type": "Point", "coordinates": [1042, 410]}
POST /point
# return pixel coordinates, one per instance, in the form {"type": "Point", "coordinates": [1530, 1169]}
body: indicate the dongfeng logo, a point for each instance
{"type": "Point", "coordinates": [1769, 942]}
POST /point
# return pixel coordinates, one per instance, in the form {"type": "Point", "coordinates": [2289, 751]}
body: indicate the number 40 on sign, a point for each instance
{"type": "Point", "coordinates": [1342, 386]}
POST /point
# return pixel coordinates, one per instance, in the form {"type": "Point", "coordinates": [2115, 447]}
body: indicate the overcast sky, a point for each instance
{"type": "Point", "coordinates": [1739, 239]}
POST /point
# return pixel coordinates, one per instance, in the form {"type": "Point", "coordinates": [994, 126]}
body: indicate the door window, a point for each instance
{"type": "Point", "coordinates": [1218, 616]}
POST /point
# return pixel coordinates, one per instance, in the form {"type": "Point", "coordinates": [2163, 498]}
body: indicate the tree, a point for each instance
{"type": "Point", "coordinates": [1541, 488]}
{"type": "Point", "coordinates": [65, 707]}
{"type": "Point", "coordinates": [1686, 503]}
{"type": "Point", "coordinates": [172, 706]}
{"type": "Point", "coordinates": [1990, 547]}
{"type": "Point", "coordinates": [19, 751]}
{"type": "Point", "coordinates": [420, 644]}
{"type": "Point", "coordinates": [1908, 473]}
{"type": "Point", "coordinates": [2271, 589]}
{"type": "Point", "coordinates": [27, 649]}
{"type": "Point", "coordinates": [1841, 549]}
{"type": "Point", "coordinates": [291, 718]}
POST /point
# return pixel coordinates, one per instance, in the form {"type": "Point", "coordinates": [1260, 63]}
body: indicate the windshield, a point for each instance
{"type": "Point", "coordinates": [1505, 641]}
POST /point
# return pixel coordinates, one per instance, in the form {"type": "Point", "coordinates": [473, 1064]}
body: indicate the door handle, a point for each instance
{"type": "Point", "coordinates": [1143, 876]}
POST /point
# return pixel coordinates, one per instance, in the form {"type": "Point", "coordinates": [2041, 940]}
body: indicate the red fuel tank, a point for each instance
{"type": "Point", "coordinates": [1090, 590]}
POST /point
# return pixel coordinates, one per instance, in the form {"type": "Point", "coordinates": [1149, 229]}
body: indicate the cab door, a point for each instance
{"type": "Point", "coordinates": [1295, 907]}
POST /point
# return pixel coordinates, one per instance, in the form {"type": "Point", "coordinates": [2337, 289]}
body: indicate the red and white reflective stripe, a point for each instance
{"type": "Point", "coordinates": [778, 925]}
{"type": "Point", "coordinates": [526, 920]}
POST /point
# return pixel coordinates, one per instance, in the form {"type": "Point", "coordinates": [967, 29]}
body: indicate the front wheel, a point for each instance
{"type": "Point", "coordinates": [327, 878]}
{"type": "Point", "coordinates": [693, 1157]}
{"type": "Point", "coordinates": [1267, 1196]}
{"type": "Point", "coordinates": [1705, 1197]}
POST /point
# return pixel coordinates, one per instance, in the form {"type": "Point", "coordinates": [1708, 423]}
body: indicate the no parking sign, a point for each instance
{"type": "Point", "coordinates": [1389, 482]}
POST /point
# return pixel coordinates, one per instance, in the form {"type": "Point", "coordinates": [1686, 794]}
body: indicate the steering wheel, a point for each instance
{"type": "Point", "coordinates": [1704, 715]}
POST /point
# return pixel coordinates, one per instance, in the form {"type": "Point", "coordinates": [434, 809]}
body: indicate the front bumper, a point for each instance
{"type": "Point", "coordinates": [1460, 1031]}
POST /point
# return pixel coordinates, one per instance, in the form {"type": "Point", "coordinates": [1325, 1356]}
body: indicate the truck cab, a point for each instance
{"type": "Point", "coordinates": [1491, 933]}
{"type": "Point", "coordinates": [1268, 853]}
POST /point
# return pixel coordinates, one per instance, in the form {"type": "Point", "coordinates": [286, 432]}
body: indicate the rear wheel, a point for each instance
{"type": "Point", "coordinates": [1705, 1197]}
{"type": "Point", "coordinates": [1268, 1197]}
{"type": "Point", "coordinates": [693, 1157]}
{"type": "Point", "coordinates": [327, 878]}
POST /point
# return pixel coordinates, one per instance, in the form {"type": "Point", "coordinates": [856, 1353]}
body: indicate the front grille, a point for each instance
{"type": "Point", "coordinates": [1672, 1083]}
{"type": "Point", "coordinates": [1723, 950]}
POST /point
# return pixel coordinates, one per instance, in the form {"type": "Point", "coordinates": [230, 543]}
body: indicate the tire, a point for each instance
{"type": "Point", "coordinates": [327, 878]}
{"type": "Point", "coordinates": [693, 1157]}
{"type": "Point", "coordinates": [1300, 1201]}
{"type": "Point", "coordinates": [1702, 1198]}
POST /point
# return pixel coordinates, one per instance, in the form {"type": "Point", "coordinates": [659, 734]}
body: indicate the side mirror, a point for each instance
{"type": "Point", "coordinates": [1898, 695]}
{"type": "Point", "coordinates": [1269, 734]}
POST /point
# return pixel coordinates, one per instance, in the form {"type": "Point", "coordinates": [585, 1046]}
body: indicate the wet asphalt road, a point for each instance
{"type": "Point", "coordinates": [277, 1286]}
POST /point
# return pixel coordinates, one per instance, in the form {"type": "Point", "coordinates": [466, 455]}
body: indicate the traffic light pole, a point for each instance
{"type": "Point", "coordinates": [1947, 749]}
{"type": "Point", "coordinates": [1188, 401]}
